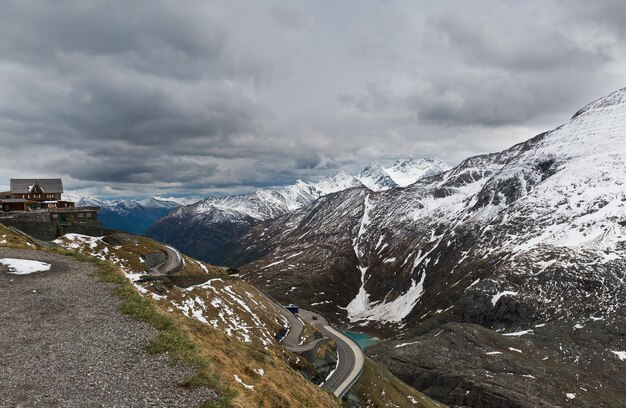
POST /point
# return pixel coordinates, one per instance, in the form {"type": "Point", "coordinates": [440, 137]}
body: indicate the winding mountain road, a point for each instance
{"type": "Point", "coordinates": [350, 357]}
{"type": "Point", "coordinates": [174, 260]}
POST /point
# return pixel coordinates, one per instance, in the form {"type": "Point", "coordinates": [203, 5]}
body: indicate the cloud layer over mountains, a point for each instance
{"type": "Point", "coordinates": [155, 96]}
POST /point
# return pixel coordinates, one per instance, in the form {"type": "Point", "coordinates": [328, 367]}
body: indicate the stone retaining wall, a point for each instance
{"type": "Point", "coordinates": [49, 231]}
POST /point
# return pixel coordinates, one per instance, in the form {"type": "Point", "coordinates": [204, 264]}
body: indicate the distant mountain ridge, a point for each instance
{"type": "Point", "coordinates": [134, 216]}
{"type": "Point", "coordinates": [208, 228]}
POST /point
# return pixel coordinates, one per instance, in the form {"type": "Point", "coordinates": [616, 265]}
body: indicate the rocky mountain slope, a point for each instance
{"type": "Point", "coordinates": [495, 277]}
{"type": "Point", "coordinates": [210, 228]}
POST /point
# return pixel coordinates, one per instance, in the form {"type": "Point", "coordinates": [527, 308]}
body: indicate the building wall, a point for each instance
{"type": "Point", "coordinates": [48, 231]}
{"type": "Point", "coordinates": [43, 230]}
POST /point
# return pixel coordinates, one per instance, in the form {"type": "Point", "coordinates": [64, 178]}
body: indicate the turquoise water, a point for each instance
{"type": "Point", "coordinates": [362, 339]}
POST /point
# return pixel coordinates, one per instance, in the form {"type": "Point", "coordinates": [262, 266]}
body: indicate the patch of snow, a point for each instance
{"type": "Point", "coordinates": [620, 354]}
{"type": "Point", "coordinates": [76, 240]}
{"type": "Point", "coordinates": [519, 333]}
{"type": "Point", "coordinates": [497, 296]}
{"type": "Point", "coordinates": [473, 284]}
{"type": "Point", "coordinates": [413, 400]}
{"type": "Point", "coordinates": [514, 349]}
{"type": "Point", "coordinates": [380, 241]}
{"type": "Point", "coordinates": [570, 395]}
{"type": "Point", "coordinates": [204, 268]}
{"type": "Point", "coordinates": [273, 264]}
{"type": "Point", "coordinates": [406, 344]}
{"type": "Point", "coordinates": [396, 310]}
{"type": "Point", "coordinates": [24, 266]}
{"type": "Point", "coordinates": [321, 303]}
{"type": "Point", "coordinates": [493, 353]}
{"type": "Point", "coordinates": [250, 387]}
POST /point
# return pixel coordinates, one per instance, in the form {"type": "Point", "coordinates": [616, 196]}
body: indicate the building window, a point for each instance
{"type": "Point", "coordinates": [80, 215]}
{"type": "Point", "coordinates": [55, 215]}
{"type": "Point", "coordinates": [88, 215]}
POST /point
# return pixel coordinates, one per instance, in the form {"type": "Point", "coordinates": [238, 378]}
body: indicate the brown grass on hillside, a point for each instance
{"type": "Point", "coordinates": [278, 386]}
{"type": "Point", "coordinates": [11, 239]}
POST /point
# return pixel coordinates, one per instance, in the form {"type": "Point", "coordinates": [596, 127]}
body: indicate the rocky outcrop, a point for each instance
{"type": "Point", "coordinates": [322, 360]}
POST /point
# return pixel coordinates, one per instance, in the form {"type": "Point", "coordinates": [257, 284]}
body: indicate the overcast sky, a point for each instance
{"type": "Point", "coordinates": [131, 98]}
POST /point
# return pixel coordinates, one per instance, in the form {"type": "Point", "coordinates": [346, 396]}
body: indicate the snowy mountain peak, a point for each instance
{"type": "Point", "coordinates": [338, 182]}
{"type": "Point", "coordinates": [407, 171]}
{"type": "Point", "coordinates": [614, 98]}
{"type": "Point", "coordinates": [158, 202]}
{"type": "Point", "coordinates": [376, 178]}
{"type": "Point", "coordinates": [373, 168]}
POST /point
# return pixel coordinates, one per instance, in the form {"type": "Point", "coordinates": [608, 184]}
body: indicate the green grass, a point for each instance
{"type": "Point", "coordinates": [170, 338]}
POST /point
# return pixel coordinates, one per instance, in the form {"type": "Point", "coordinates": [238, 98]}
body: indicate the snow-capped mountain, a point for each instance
{"type": "Point", "coordinates": [407, 171]}
{"type": "Point", "coordinates": [210, 228]}
{"type": "Point", "coordinates": [496, 276]}
{"type": "Point", "coordinates": [262, 204]}
{"type": "Point", "coordinates": [339, 182]}
{"type": "Point", "coordinates": [376, 178]}
{"type": "Point", "coordinates": [402, 173]}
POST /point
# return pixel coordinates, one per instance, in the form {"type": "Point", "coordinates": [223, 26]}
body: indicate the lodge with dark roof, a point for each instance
{"type": "Point", "coordinates": [36, 206]}
{"type": "Point", "coordinates": [33, 194]}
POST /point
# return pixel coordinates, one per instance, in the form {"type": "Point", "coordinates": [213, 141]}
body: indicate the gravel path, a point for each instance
{"type": "Point", "coordinates": [63, 343]}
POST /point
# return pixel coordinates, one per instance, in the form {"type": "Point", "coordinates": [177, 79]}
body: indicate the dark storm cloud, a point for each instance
{"type": "Point", "coordinates": [151, 96]}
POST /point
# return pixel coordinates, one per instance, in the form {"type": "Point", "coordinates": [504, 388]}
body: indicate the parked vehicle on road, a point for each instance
{"type": "Point", "coordinates": [293, 309]}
